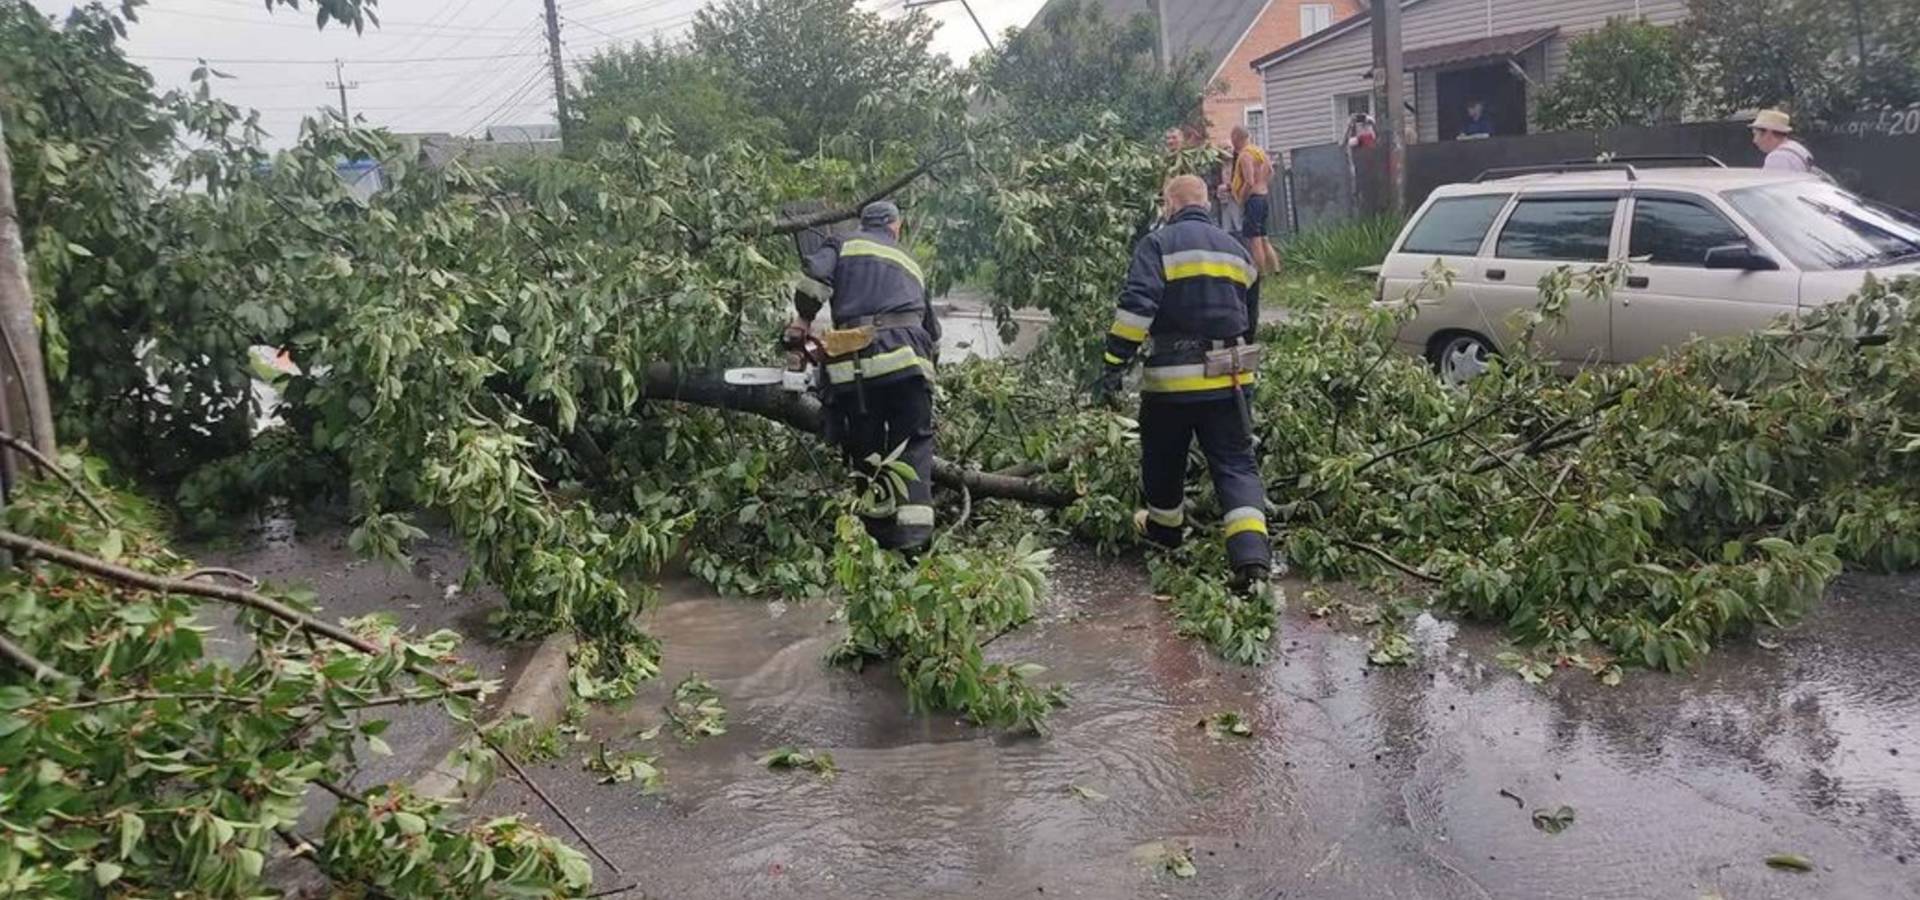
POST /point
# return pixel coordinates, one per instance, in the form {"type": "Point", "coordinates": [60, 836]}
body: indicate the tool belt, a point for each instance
{"type": "Point", "coordinates": [1220, 356]}
{"type": "Point", "coordinates": [856, 333]}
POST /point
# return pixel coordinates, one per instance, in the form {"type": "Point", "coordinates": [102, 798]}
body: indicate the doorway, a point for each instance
{"type": "Point", "coordinates": [1495, 85]}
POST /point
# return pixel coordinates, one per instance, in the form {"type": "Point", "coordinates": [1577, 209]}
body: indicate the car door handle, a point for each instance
{"type": "Point", "coordinates": [1496, 274]}
{"type": "Point", "coordinates": [1637, 281]}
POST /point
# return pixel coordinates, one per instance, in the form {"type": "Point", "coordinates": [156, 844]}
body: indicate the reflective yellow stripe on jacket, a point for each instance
{"type": "Point", "coordinates": [879, 364]}
{"type": "Point", "coordinates": [893, 255]}
{"type": "Point", "coordinates": [1183, 379]}
{"type": "Point", "coordinates": [1208, 264]}
{"type": "Point", "coordinates": [1130, 326]}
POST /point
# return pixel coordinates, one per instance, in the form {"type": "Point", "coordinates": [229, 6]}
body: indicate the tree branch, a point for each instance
{"type": "Point", "coordinates": [459, 690]}
{"type": "Point", "coordinates": [19, 656]}
{"type": "Point", "coordinates": [802, 412]}
{"type": "Point", "coordinates": [1389, 559]}
{"type": "Point", "coordinates": [48, 466]}
{"type": "Point", "coordinates": [100, 568]}
{"type": "Point", "coordinates": [792, 224]}
{"type": "Point", "coordinates": [1432, 439]}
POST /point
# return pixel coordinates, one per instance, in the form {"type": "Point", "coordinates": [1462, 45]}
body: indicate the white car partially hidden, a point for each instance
{"type": "Point", "coordinates": [1710, 251]}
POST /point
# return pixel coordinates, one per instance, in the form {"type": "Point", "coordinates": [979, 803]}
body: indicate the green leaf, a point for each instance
{"type": "Point", "coordinates": [1088, 794]}
{"type": "Point", "coordinates": [105, 873]}
{"type": "Point", "coordinates": [78, 250]}
{"type": "Point", "coordinates": [500, 335]}
{"type": "Point", "coordinates": [110, 547]}
{"type": "Point", "coordinates": [132, 829]}
{"type": "Point", "coordinates": [1791, 862]}
{"type": "Point", "coordinates": [251, 861]}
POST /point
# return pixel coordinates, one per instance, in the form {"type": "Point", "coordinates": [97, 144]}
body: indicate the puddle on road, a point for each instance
{"type": "Point", "coordinates": [1357, 782]}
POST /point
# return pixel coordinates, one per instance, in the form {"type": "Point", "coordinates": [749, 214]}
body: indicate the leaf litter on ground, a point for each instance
{"type": "Point", "coordinates": [626, 766]}
{"type": "Point", "coordinates": [818, 762]}
{"type": "Point", "coordinates": [696, 711]}
{"type": "Point", "coordinates": [1224, 724]}
{"type": "Point", "coordinates": [1086, 793]}
{"type": "Point", "coordinates": [1790, 862]}
{"type": "Point", "coordinates": [1553, 821]}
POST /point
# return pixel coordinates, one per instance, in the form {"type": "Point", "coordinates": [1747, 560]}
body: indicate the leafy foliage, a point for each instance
{"type": "Point", "coordinates": [158, 766]}
{"type": "Point", "coordinates": [933, 616]}
{"type": "Point", "coordinates": [830, 69]}
{"type": "Point", "coordinates": [1626, 73]}
{"type": "Point", "coordinates": [1238, 626]}
{"type": "Point", "coordinates": [701, 99]}
{"type": "Point", "coordinates": [1060, 76]}
{"type": "Point", "coordinates": [1805, 56]}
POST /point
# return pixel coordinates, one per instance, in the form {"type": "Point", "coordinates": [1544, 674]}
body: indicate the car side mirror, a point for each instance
{"type": "Point", "coordinates": [1739, 256]}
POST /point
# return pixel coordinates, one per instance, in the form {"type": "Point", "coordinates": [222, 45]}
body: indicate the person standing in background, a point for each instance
{"type": "Point", "coordinates": [1773, 134]}
{"type": "Point", "coordinates": [1251, 179]}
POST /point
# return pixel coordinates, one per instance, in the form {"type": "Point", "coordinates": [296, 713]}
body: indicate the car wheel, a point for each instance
{"type": "Point", "coordinates": [1460, 358]}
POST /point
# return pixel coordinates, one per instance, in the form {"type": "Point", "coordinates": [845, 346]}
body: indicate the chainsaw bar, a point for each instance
{"type": "Point", "coordinates": [759, 377]}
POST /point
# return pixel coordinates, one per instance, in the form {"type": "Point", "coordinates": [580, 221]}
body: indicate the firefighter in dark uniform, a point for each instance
{"type": "Point", "coordinates": [1186, 299]}
{"type": "Point", "coordinates": [878, 375]}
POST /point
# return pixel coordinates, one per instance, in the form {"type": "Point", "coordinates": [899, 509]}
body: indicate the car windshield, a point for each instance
{"type": "Point", "coordinates": [1820, 226]}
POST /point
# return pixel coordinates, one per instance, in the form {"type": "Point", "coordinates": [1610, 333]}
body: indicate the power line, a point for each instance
{"type": "Point", "coordinates": [384, 28]}
{"type": "Point", "coordinates": [328, 62]}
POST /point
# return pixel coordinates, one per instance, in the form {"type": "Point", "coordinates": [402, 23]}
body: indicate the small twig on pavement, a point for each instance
{"type": "Point", "coordinates": [210, 571]}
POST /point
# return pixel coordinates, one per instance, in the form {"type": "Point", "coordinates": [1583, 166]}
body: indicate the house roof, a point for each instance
{"type": "Point", "coordinates": [1475, 49]}
{"type": "Point", "coordinates": [1207, 27]}
{"type": "Point", "coordinates": [1344, 26]}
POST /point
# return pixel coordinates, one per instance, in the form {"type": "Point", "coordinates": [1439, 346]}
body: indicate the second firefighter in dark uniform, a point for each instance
{"type": "Point", "coordinates": [1186, 300]}
{"type": "Point", "coordinates": [880, 364]}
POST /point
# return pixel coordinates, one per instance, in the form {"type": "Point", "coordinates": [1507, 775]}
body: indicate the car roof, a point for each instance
{"type": "Point", "coordinates": [1697, 178]}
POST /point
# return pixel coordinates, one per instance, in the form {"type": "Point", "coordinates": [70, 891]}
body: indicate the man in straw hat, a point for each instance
{"type": "Point", "coordinates": [1773, 134]}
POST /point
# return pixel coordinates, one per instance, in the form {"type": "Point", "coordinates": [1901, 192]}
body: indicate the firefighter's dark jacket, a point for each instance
{"type": "Point", "coordinates": [1187, 289]}
{"type": "Point", "coordinates": [866, 274]}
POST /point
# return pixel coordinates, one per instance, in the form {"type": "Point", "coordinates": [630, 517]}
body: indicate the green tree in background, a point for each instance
{"type": "Point", "coordinates": [1627, 73]}
{"type": "Point", "coordinates": [827, 68]}
{"type": "Point", "coordinates": [701, 98]}
{"type": "Point", "coordinates": [1818, 60]}
{"type": "Point", "coordinates": [1061, 74]}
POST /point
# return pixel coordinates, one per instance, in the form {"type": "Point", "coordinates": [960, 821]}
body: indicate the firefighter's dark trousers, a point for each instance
{"type": "Point", "coordinates": [1167, 428]}
{"type": "Point", "coordinates": [900, 411]}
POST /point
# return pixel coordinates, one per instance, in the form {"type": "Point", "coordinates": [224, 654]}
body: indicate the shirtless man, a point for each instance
{"type": "Point", "coordinates": [1252, 173]}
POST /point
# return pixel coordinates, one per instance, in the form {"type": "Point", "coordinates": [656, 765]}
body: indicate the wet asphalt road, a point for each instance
{"type": "Point", "coordinates": [1358, 782]}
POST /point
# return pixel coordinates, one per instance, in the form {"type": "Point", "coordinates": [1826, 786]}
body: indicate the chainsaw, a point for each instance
{"type": "Point", "coordinates": [797, 377]}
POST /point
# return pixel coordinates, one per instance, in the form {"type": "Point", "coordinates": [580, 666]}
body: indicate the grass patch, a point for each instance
{"type": "Point", "coordinates": [1341, 249]}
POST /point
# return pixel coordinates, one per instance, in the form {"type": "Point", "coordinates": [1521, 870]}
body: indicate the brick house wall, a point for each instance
{"type": "Point", "coordinates": [1278, 25]}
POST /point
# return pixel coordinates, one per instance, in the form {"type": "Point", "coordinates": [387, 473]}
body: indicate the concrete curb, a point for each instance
{"type": "Point", "coordinates": [540, 694]}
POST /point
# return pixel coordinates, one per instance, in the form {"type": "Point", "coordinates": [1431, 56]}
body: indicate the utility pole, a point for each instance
{"type": "Point", "coordinates": [916, 4]}
{"type": "Point", "coordinates": [1166, 42]}
{"type": "Point", "coordinates": [1390, 92]}
{"type": "Point", "coordinates": [559, 70]}
{"type": "Point", "coordinates": [340, 81]}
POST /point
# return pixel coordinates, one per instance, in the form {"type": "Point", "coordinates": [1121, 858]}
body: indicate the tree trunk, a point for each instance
{"type": "Point", "coordinates": [23, 373]}
{"type": "Point", "coordinates": [802, 412]}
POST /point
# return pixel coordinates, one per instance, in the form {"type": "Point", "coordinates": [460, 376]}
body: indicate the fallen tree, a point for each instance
{"type": "Point", "coordinates": [803, 412]}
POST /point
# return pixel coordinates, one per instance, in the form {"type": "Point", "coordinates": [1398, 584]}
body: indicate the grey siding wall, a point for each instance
{"type": "Point", "coordinates": [1300, 91]}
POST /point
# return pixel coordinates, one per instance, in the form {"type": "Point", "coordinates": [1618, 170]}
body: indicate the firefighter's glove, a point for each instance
{"type": "Point", "coordinates": [794, 337]}
{"type": "Point", "coordinates": [1107, 388]}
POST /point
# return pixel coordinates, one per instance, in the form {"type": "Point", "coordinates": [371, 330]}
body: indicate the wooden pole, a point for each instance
{"type": "Point", "coordinates": [1390, 90]}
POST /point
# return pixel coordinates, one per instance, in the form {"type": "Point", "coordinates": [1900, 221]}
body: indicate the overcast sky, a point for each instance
{"type": "Point", "coordinates": [434, 65]}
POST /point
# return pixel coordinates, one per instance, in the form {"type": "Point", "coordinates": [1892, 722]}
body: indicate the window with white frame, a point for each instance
{"type": "Point", "coordinates": [1315, 18]}
{"type": "Point", "coordinates": [1255, 118]}
{"type": "Point", "coordinates": [1345, 106]}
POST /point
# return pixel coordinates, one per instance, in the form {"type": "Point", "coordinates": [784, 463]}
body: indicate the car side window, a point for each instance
{"type": "Point", "coordinates": [1673, 232]}
{"type": "Point", "coordinates": [1562, 229]}
{"type": "Point", "coordinates": [1455, 226]}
